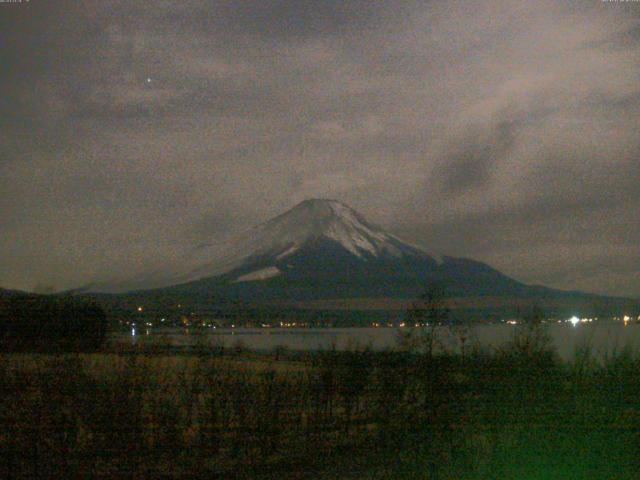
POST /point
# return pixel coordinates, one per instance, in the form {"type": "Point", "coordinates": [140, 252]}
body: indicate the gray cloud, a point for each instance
{"type": "Point", "coordinates": [504, 131]}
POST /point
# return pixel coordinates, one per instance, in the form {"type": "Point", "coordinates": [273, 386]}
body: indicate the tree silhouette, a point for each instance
{"type": "Point", "coordinates": [429, 311]}
{"type": "Point", "coordinates": [44, 323]}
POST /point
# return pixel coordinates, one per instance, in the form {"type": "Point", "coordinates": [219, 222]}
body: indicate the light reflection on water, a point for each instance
{"type": "Point", "coordinates": [603, 338]}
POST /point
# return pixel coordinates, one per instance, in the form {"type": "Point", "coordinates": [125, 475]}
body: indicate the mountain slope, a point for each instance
{"type": "Point", "coordinates": [324, 249]}
{"type": "Point", "coordinates": [323, 255]}
{"type": "Point", "coordinates": [311, 221]}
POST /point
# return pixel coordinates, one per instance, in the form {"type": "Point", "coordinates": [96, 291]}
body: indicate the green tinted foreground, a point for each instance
{"type": "Point", "coordinates": [514, 414]}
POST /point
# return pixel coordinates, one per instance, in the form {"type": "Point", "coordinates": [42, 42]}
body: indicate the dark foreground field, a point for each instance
{"type": "Point", "coordinates": [519, 413]}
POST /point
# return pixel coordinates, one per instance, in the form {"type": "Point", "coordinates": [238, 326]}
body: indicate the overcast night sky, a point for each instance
{"type": "Point", "coordinates": [504, 131]}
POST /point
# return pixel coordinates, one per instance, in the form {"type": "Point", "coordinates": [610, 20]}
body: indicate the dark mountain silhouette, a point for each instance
{"type": "Point", "coordinates": [322, 250]}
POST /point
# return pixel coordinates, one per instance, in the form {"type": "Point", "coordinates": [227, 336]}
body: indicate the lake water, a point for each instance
{"type": "Point", "coordinates": [604, 338]}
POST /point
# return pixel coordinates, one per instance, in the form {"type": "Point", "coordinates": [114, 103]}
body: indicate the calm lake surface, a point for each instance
{"type": "Point", "coordinates": [604, 338]}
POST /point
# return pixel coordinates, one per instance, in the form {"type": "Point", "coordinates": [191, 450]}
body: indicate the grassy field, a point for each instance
{"type": "Point", "coordinates": [518, 413]}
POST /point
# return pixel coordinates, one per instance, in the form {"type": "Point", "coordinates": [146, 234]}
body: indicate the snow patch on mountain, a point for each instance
{"type": "Point", "coordinates": [350, 230]}
{"type": "Point", "coordinates": [262, 274]}
{"type": "Point", "coordinates": [351, 240]}
{"type": "Point", "coordinates": [287, 252]}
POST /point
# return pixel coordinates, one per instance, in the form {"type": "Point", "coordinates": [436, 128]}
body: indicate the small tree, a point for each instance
{"type": "Point", "coordinates": [423, 317]}
{"type": "Point", "coordinates": [531, 338]}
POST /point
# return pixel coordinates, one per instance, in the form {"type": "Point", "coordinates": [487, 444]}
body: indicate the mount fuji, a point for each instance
{"type": "Point", "coordinates": [323, 249]}
{"type": "Point", "coordinates": [315, 238]}
{"type": "Point", "coordinates": [322, 254]}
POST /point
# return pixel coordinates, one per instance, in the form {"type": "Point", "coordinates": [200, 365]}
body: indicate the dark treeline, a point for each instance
{"type": "Point", "coordinates": [45, 323]}
{"type": "Point", "coordinates": [510, 414]}
{"type": "Point", "coordinates": [180, 306]}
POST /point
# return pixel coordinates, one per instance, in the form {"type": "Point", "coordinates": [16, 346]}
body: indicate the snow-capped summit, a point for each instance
{"type": "Point", "coordinates": [259, 253]}
{"type": "Point", "coordinates": [319, 249]}
{"type": "Point", "coordinates": [312, 221]}
{"type": "Point", "coordinates": [316, 218]}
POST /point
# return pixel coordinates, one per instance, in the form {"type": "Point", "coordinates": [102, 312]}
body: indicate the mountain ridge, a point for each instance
{"type": "Point", "coordinates": [278, 237]}
{"type": "Point", "coordinates": [321, 255]}
{"type": "Point", "coordinates": [322, 249]}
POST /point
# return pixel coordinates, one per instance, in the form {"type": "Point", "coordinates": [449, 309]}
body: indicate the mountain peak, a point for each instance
{"type": "Point", "coordinates": [311, 224]}
{"type": "Point", "coordinates": [314, 208]}
{"type": "Point", "coordinates": [332, 220]}
{"type": "Point", "coordinates": [321, 201]}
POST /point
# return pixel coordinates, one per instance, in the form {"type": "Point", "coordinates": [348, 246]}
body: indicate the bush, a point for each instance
{"type": "Point", "coordinates": [46, 324]}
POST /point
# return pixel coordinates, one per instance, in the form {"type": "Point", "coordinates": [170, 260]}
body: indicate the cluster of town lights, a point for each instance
{"type": "Point", "coordinates": [574, 321]}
